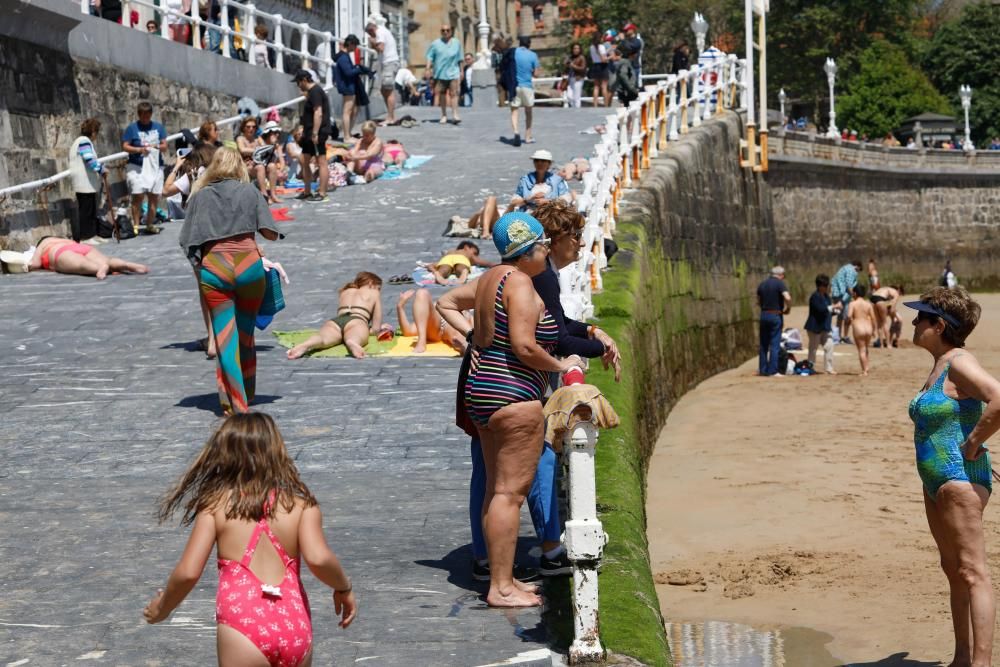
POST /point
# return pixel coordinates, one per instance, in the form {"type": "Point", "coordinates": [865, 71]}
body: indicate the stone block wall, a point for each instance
{"type": "Point", "coordinates": [827, 214]}
{"type": "Point", "coordinates": [708, 236]}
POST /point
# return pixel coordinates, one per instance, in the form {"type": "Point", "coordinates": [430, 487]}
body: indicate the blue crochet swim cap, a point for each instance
{"type": "Point", "coordinates": [515, 233]}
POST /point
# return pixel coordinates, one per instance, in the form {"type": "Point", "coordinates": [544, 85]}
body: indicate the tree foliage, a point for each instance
{"type": "Point", "coordinates": [966, 51]}
{"type": "Point", "coordinates": [886, 90]}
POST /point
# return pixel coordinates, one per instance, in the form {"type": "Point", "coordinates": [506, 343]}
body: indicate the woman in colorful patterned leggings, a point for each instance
{"type": "Point", "coordinates": [953, 415]}
{"type": "Point", "coordinates": [224, 213]}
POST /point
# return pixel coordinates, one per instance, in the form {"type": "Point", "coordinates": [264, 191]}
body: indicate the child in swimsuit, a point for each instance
{"type": "Point", "coordinates": [861, 318]}
{"type": "Point", "coordinates": [393, 154]}
{"type": "Point", "coordinates": [261, 523]}
{"type": "Point", "coordinates": [458, 263]}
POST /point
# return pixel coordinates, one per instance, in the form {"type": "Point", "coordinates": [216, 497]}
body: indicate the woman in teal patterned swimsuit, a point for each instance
{"type": "Point", "coordinates": [953, 415]}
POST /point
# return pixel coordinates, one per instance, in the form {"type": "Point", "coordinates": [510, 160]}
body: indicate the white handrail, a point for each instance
{"type": "Point", "coordinates": [232, 120]}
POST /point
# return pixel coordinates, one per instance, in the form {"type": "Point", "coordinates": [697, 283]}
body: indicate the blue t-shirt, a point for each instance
{"type": "Point", "coordinates": [445, 58]}
{"type": "Point", "coordinates": [138, 134]}
{"type": "Point", "coordinates": [557, 187]}
{"type": "Point", "coordinates": [771, 294]}
{"type": "Point", "coordinates": [526, 62]}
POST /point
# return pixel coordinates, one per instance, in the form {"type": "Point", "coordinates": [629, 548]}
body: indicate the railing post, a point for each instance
{"type": "Point", "coordinates": [664, 118]}
{"type": "Point", "coordinates": [164, 20]}
{"type": "Point", "coordinates": [585, 539]}
{"type": "Point", "coordinates": [226, 39]}
{"type": "Point", "coordinates": [720, 81]}
{"type": "Point", "coordinates": [623, 146]}
{"type": "Point", "coordinates": [683, 80]}
{"type": "Point", "coordinates": [697, 96]}
{"type": "Point", "coordinates": [126, 14]}
{"type": "Point", "coordinates": [195, 25]}
{"type": "Point", "coordinates": [328, 56]}
{"type": "Point", "coordinates": [248, 31]}
{"type": "Point", "coordinates": [709, 89]}
{"type": "Point", "coordinates": [85, 6]}
{"type": "Point", "coordinates": [304, 45]}
{"type": "Point", "coordinates": [279, 52]}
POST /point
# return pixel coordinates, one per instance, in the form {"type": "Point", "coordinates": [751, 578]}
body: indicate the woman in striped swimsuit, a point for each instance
{"type": "Point", "coordinates": [954, 414]}
{"type": "Point", "coordinates": [514, 335]}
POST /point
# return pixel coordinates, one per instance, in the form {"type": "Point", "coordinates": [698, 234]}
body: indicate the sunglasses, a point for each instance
{"type": "Point", "coordinates": [445, 30]}
{"type": "Point", "coordinates": [924, 316]}
{"type": "Point", "coordinates": [543, 243]}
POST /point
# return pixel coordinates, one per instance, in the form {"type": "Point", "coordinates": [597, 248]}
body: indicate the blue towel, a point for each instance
{"type": "Point", "coordinates": [394, 173]}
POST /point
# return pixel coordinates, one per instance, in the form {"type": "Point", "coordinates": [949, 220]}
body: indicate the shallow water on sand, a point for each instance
{"type": "Point", "coordinates": [724, 644]}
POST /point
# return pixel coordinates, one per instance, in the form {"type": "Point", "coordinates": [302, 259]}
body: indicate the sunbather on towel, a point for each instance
{"type": "Point", "coordinates": [358, 316]}
{"type": "Point", "coordinates": [458, 263]}
{"type": "Point", "coordinates": [427, 325]}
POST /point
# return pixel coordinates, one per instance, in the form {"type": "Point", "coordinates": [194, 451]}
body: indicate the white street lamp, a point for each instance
{"type": "Point", "coordinates": [965, 92]}
{"type": "Point", "coordinates": [699, 26]}
{"type": "Point", "coordinates": [831, 76]}
{"type": "Point", "coordinates": [483, 59]}
{"type": "Point", "coordinates": [782, 98]}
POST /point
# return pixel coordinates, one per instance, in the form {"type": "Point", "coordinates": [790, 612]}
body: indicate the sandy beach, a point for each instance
{"type": "Point", "coordinates": [794, 502]}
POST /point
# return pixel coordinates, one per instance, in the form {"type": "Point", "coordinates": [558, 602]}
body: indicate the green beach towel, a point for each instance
{"type": "Point", "coordinates": [290, 339]}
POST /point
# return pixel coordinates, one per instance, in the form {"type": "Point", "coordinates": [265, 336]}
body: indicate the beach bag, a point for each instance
{"type": "Point", "coordinates": [792, 339]}
{"type": "Point", "coordinates": [274, 299]}
{"type": "Point", "coordinates": [804, 367]}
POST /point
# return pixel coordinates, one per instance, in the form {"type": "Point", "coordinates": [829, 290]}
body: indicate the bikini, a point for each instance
{"type": "Point", "coordinates": [72, 246]}
{"type": "Point", "coordinates": [942, 424]}
{"type": "Point", "coordinates": [276, 619]}
{"type": "Point", "coordinates": [393, 151]}
{"type": "Point", "coordinates": [497, 377]}
{"type": "Point", "coordinates": [342, 319]}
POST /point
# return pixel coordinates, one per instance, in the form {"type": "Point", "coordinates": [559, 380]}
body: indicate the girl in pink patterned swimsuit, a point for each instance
{"type": "Point", "coordinates": [244, 496]}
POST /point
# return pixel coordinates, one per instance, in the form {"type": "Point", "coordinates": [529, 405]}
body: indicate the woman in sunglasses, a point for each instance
{"type": "Point", "coordinates": [953, 415]}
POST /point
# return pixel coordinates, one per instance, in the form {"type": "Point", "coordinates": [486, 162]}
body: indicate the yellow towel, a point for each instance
{"type": "Point", "coordinates": [404, 348]}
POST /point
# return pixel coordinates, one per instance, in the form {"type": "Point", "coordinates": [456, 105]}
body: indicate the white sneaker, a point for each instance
{"type": "Point", "coordinates": [94, 240]}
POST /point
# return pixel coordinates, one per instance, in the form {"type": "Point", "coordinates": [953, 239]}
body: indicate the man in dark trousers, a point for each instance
{"type": "Point", "coordinates": [316, 130]}
{"type": "Point", "coordinates": [775, 302]}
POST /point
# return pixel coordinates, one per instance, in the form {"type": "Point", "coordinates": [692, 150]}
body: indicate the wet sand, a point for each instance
{"type": "Point", "coordinates": [794, 501]}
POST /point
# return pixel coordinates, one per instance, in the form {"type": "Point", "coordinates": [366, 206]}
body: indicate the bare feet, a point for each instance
{"type": "Point", "coordinates": [527, 588]}
{"type": "Point", "coordinates": [102, 272]}
{"type": "Point", "coordinates": [136, 268]}
{"type": "Point", "coordinates": [298, 351]}
{"type": "Point", "coordinates": [831, 372]}
{"type": "Point", "coordinates": [405, 297]}
{"type": "Point", "coordinates": [356, 350]}
{"type": "Point", "coordinates": [419, 348]}
{"type": "Point", "coordinates": [515, 598]}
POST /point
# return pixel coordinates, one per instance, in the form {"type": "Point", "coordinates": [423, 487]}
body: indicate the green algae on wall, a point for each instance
{"type": "Point", "coordinates": [679, 301]}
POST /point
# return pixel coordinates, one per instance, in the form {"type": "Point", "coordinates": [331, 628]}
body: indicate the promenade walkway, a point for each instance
{"type": "Point", "coordinates": [105, 402]}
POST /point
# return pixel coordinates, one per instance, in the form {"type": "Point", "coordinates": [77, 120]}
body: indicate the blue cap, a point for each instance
{"type": "Point", "coordinates": [924, 307]}
{"type": "Point", "coordinates": [515, 233]}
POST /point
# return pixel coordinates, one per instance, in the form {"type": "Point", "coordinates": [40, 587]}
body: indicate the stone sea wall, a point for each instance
{"type": "Point", "coordinates": [910, 220]}
{"type": "Point", "coordinates": [709, 237]}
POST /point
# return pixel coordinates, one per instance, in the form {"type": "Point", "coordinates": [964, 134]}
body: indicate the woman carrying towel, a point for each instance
{"type": "Point", "coordinates": [224, 213]}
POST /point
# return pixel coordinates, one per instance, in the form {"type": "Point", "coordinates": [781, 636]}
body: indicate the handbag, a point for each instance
{"type": "Point", "coordinates": [274, 299]}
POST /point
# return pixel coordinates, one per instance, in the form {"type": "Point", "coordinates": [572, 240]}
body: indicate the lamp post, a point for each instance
{"type": "Point", "coordinates": [965, 92]}
{"type": "Point", "coordinates": [483, 59]}
{"type": "Point", "coordinates": [782, 98]}
{"type": "Point", "coordinates": [831, 76]}
{"type": "Point", "coordinates": [699, 26]}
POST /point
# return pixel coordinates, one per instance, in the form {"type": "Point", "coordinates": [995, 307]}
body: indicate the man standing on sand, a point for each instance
{"type": "Point", "coordinates": [843, 281]}
{"type": "Point", "coordinates": [775, 302]}
{"type": "Point", "coordinates": [316, 129]}
{"type": "Point", "coordinates": [526, 67]}
{"type": "Point", "coordinates": [443, 58]}
{"type": "Point", "coordinates": [388, 63]}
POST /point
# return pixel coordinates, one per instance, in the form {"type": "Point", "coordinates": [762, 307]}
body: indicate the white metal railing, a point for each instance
{"type": "Point", "coordinates": [279, 28]}
{"type": "Point", "coordinates": [45, 182]}
{"type": "Point", "coordinates": [663, 112]}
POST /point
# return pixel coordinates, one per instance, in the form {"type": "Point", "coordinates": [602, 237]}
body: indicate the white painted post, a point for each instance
{"type": "Point", "coordinates": [304, 45]}
{"type": "Point", "coordinates": [164, 22]}
{"type": "Point", "coordinates": [195, 25]}
{"type": "Point", "coordinates": [673, 113]}
{"type": "Point", "coordinates": [622, 153]}
{"type": "Point", "coordinates": [224, 21]}
{"type": "Point", "coordinates": [328, 57]}
{"type": "Point", "coordinates": [279, 41]}
{"type": "Point", "coordinates": [249, 36]}
{"type": "Point", "coordinates": [85, 6]}
{"type": "Point", "coordinates": [585, 539]}
{"type": "Point", "coordinates": [697, 88]}
{"type": "Point", "coordinates": [712, 75]}
{"type": "Point", "coordinates": [126, 14]}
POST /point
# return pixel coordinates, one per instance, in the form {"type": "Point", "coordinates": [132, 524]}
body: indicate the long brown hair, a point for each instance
{"type": "Point", "coordinates": [364, 279]}
{"type": "Point", "coordinates": [241, 464]}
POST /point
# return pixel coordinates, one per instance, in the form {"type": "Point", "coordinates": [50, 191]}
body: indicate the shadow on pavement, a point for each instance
{"type": "Point", "coordinates": [896, 660]}
{"type": "Point", "coordinates": [210, 402]}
